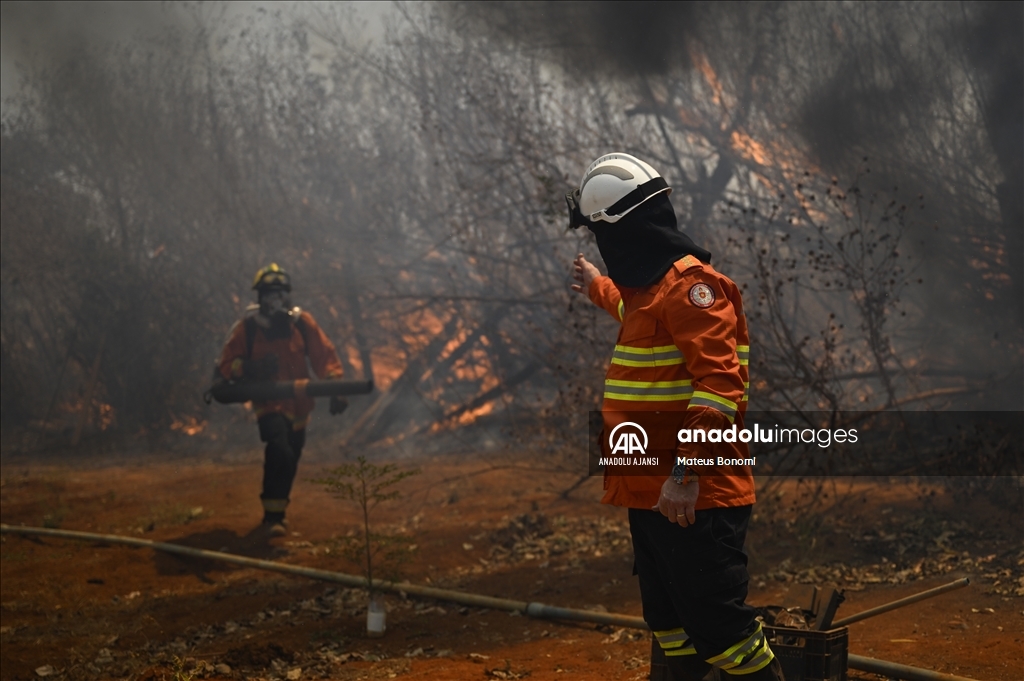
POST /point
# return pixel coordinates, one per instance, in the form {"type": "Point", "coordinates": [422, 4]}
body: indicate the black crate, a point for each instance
{"type": "Point", "coordinates": [808, 655]}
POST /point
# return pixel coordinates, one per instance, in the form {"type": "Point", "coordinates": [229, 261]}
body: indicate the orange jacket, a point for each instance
{"type": "Point", "coordinates": [682, 347]}
{"type": "Point", "coordinates": [309, 340]}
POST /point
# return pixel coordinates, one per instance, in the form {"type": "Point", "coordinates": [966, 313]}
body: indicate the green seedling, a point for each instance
{"type": "Point", "coordinates": [368, 485]}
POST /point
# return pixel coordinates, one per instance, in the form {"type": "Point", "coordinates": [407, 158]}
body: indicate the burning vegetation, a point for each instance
{"type": "Point", "coordinates": [847, 165]}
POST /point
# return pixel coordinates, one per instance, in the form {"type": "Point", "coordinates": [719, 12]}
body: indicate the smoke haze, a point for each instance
{"type": "Point", "coordinates": [413, 188]}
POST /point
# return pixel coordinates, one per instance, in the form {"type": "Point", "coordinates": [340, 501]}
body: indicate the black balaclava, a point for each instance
{"type": "Point", "coordinates": [276, 306]}
{"type": "Point", "coordinates": [640, 248]}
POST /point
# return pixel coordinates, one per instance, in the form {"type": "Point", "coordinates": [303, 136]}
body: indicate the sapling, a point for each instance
{"type": "Point", "coordinates": [369, 485]}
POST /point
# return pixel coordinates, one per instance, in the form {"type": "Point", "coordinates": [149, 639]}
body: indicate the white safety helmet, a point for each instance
{"type": "Point", "coordinates": [615, 184]}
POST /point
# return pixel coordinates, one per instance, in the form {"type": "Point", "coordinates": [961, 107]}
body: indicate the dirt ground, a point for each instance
{"type": "Point", "coordinates": [79, 610]}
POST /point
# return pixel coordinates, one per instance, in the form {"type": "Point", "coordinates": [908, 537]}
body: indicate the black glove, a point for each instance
{"type": "Point", "coordinates": [338, 404]}
{"type": "Point", "coordinates": [261, 369]}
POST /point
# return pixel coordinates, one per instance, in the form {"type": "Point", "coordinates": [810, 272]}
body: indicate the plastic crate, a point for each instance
{"type": "Point", "coordinates": [807, 655]}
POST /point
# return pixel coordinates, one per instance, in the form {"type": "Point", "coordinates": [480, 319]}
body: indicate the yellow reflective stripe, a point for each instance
{"type": "Point", "coordinates": [658, 356]}
{"type": "Point", "coordinates": [674, 641]}
{"type": "Point", "coordinates": [622, 310]}
{"type": "Point", "coordinates": [648, 387]}
{"type": "Point", "coordinates": [646, 351]}
{"type": "Point", "coordinates": [618, 382]}
{"type": "Point", "coordinates": [743, 353]}
{"type": "Point", "coordinates": [746, 391]}
{"type": "Point", "coordinates": [688, 650]}
{"type": "Point", "coordinates": [668, 636]}
{"type": "Point", "coordinates": [647, 391]}
{"type": "Point", "coordinates": [759, 661]}
{"type": "Point", "coordinates": [706, 399]}
{"type": "Point", "coordinates": [726, 656]}
{"type": "Point", "coordinates": [275, 505]}
{"type": "Point", "coordinates": [647, 362]}
{"type": "Point", "coordinates": [646, 398]}
{"type": "Point", "coordinates": [733, 657]}
{"type": "Point", "coordinates": [735, 660]}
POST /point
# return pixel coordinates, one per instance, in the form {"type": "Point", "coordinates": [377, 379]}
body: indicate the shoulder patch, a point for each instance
{"type": "Point", "coordinates": [702, 295]}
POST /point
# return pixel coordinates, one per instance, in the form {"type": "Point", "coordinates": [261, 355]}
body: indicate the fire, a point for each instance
{"type": "Point", "coordinates": [388, 365]}
{"type": "Point", "coordinates": [416, 331]}
{"type": "Point", "coordinates": [189, 425]}
{"type": "Point", "coordinates": [420, 328]}
{"type": "Point", "coordinates": [457, 340]}
{"type": "Point", "coordinates": [689, 120]}
{"type": "Point", "coordinates": [97, 412]}
{"type": "Point", "coordinates": [476, 366]}
{"type": "Point", "coordinates": [464, 419]}
{"type": "Point", "coordinates": [702, 64]}
{"type": "Point", "coordinates": [750, 149]}
{"type": "Point", "coordinates": [355, 359]}
{"type": "Point", "coordinates": [468, 417]}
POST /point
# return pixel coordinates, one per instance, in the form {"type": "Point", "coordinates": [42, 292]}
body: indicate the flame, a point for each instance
{"type": "Point", "coordinates": [355, 359]}
{"type": "Point", "coordinates": [388, 365]}
{"type": "Point", "coordinates": [189, 425]}
{"type": "Point", "coordinates": [750, 149]}
{"type": "Point", "coordinates": [464, 419]}
{"type": "Point", "coordinates": [98, 412]}
{"type": "Point", "coordinates": [688, 119]}
{"type": "Point", "coordinates": [468, 417]}
{"type": "Point", "coordinates": [458, 339]}
{"type": "Point", "coordinates": [420, 328]}
{"type": "Point", "coordinates": [416, 331]}
{"type": "Point", "coordinates": [476, 366]}
{"type": "Point", "coordinates": [105, 416]}
{"type": "Point", "coordinates": [710, 77]}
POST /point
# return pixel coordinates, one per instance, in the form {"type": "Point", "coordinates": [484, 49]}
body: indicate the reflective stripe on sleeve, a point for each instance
{"type": "Point", "coordinates": [659, 356]}
{"type": "Point", "coordinates": [706, 399]}
{"type": "Point", "coordinates": [622, 310]}
{"type": "Point", "coordinates": [743, 352]}
{"type": "Point", "coordinates": [647, 391]}
{"type": "Point", "coordinates": [746, 391]}
{"type": "Point", "coordinates": [746, 657]}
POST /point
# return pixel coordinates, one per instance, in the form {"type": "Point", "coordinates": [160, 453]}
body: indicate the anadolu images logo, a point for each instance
{"type": "Point", "coordinates": [628, 441]}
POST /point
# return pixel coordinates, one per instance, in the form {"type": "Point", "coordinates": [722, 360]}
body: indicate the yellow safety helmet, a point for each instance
{"type": "Point", "coordinates": [272, 276]}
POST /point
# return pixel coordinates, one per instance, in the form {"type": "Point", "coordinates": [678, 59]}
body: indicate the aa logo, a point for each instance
{"type": "Point", "coordinates": [628, 438]}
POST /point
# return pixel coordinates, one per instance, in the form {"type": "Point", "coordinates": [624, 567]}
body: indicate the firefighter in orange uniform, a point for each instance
{"type": "Point", "coordinates": [272, 343]}
{"type": "Point", "coordinates": [683, 348]}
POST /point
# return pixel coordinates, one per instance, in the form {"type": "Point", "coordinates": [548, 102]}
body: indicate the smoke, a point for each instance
{"type": "Point", "coordinates": [43, 34]}
{"type": "Point", "coordinates": [932, 95]}
{"type": "Point", "coordinates": [995, 45]}
{"type": "Point", "coordinates": [623, 38]}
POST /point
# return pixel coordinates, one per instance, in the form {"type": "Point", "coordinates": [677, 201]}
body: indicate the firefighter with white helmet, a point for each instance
{"type": "Point", "coordinates": [682, 349]}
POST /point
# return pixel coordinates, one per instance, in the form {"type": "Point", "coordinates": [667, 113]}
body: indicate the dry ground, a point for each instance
{"type": "Point", "coordinates": [76, 610]}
